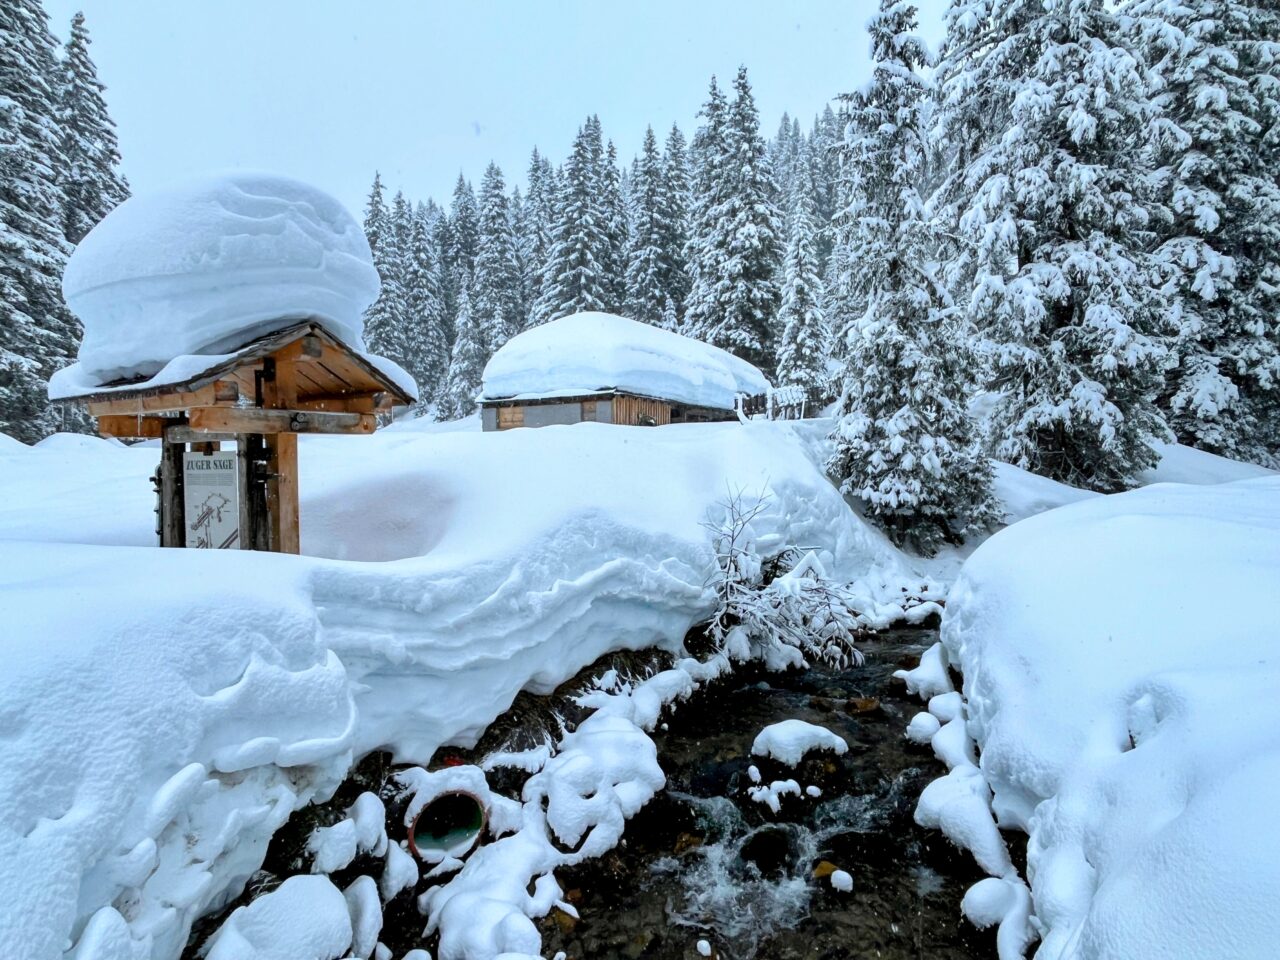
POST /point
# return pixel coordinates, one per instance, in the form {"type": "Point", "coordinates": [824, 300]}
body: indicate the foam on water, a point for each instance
{"type": "Point", "coordinates": [730, 895]}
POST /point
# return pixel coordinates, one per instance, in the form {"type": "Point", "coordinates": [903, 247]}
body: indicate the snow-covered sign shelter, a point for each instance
{"type": "Point", "coordinates": [228, 308]}
{"type": "Point", "coordinates": [598, 367]}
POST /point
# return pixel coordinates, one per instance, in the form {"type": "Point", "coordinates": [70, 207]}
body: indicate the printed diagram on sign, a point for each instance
{"type": "Point", "coordinates": [208, 518]}
{"type": "Point", "coordinates": [211, 501]}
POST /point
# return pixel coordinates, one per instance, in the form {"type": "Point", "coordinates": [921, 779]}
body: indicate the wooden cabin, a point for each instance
{"type": "Point", "coordinates": [601, 368]}
{"type": "Point", "coordinates": [606, 406]}
{"type": "Point", "coordinates": [301, 379]}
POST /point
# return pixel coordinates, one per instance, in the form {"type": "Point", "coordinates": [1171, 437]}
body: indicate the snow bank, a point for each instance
{"type": "Point", "coordinates": [162, 712]}
{"type": "Point", "coordinates": [1179, 464]}
{"type": "Point", "coordinates": [1120, 676]}
{"type": "Point", "coordinates": [205, 266]}
{"type": "Point", "coordinates": [789, 740]}
{"type": "Point", "coordinates": [303, 917]}
{"type": "Point", "coordinates": [590, 352]}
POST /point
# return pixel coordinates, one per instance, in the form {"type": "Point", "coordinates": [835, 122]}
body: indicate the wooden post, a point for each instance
{"type": "Point", "coordinates": [250, 464]}
{"type": "Point", "coordinates": [173, 527]}
{"type": "Point", "coordinates": [280, 392]}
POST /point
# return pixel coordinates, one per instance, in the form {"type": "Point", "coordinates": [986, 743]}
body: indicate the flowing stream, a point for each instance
{"type": "Point", "coordinates": [703, 861]}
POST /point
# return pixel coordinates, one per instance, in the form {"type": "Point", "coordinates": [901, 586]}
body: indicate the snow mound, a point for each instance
{"type": "Point", "coordinates": [205, 266]}
{"type": "Point", "coordinates": [1120, 679]}
{"type": "Point", "coordinates": [247, 683]}
{"type": "Point", "coordinates": [789, 740]}
{"type": "Point", "coordinates": [593, 352]}
{"type": "Point", "coordinates": [303, 917]}
{"type": "Point", "coordinates": [1182, 464]}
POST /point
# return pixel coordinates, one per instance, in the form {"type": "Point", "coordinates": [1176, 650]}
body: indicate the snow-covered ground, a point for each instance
{"type": "Point", "coordinates": [162, 713]}
{"type": "Point", "coordinates": [1120, 686]}
{"type": "Point", "coordinates": [165, 711]}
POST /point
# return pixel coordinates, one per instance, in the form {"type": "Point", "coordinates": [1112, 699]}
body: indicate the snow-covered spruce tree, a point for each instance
{"type": "Point", "coordinates": [518, 213]}
{"type": "Point", "coordinates": [386, 322]}
{"type": "Point", "coordinates": [736, 246]}
{"type": "Point", "coordinates": [91, 184]}
{"type": "Point", "coordinates": [496, 290]}
{"type": "Point", "coordinates": [903, 444]}
{"type": "Point", "coordinates": [670, 321]}
{"type": "Point", "coordinates": [574, 279]}
{"type": "Point", "coordinates": [782, 151]}
{"type": "Point", "coordinates": [442, 238]}
{"type": "Point", "coordinates": [1219, 249]}
{"type": "Point", "coordinates": [824, 167]}
{"type": "Point", "coordinates": [376, 216]}
{"type": "Point", "coordinates": [536, 236]}
{"type": "Point", "coordinates": [426, 337]}
{"type": "Point", "coordinates": [675, 219]}
{"type": "Point", "coordinates": [457, 237]}
{"type": "Point", "coordinates": [617, 227]}
{"type": "Point", "coordinates": [457, 398]}
{"type": "Point", "coordinates": [37, 332]}
{"type": "Point", "coordinates": [709, 188]}
{"type": "Point", "coordinates": [1046, 112]}
{"type": "Point", "coordinates": [25, 412]}
{"type": "Point", "coordinates": [464, 221]}
{"type": "Point", "coordinates": [802, 354]}
{"type": "Point", "coordinates": [646, 292]}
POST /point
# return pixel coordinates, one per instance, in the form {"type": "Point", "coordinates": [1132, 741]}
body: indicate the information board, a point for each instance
{"type": "Point", "coordinates": [212, 507]}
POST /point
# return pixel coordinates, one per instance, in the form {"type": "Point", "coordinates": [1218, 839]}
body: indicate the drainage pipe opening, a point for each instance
{"type": "Point", "coordinates": [448, 826]}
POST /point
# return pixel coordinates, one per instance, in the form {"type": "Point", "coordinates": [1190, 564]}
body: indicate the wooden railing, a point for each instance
{"type": "Point", "coordinates": [787, 402]}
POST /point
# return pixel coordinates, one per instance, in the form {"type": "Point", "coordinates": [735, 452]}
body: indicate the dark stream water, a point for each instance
{"type": "Point", "coordinates": [703, 861]}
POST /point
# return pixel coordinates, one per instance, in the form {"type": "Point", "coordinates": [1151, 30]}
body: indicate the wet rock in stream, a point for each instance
{"type": "Point", "coordinates": [703, 861]}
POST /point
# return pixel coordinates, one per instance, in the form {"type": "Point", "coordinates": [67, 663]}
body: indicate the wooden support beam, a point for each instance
{"type": "Point", "coordinates": [146, 428]}
{"type": "Point", "coordinates": [184, 434]}
{"type": "Point", "coordinates": [253, 420]}
{"type": "Point", "coordinates": [250, 478]}
{"type": "Point", "coordinates": [221, 391]}
{"type": "Point", "coordinates": [342, 403]}
{"type": "Point", "coordinates": [282, 492]}
{"type": "Point", "coordinates": [173, 526]}
{"type": "Point", "coordinates": [281, 392]}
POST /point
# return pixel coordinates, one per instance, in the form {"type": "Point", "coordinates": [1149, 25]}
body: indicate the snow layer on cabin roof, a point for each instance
{"type": "Point", "coordinates": [75, 381]}
{"type": "Point", "coordinates": [207, 265]}
{"type": "Point", "coordinates": [589, 352]}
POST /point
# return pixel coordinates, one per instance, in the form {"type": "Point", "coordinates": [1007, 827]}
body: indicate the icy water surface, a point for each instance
{"type": "Point", "coordinates": [704, 862]}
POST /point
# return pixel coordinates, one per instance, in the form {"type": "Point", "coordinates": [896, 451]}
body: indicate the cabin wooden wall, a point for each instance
{"type": "Point", "coordinates": [620, 409]}
{"type": "Point", "coordinates": [634, 411]}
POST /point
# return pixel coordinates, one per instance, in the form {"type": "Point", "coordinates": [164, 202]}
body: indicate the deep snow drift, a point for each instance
{"type": "Point", "coordinates": [207, 265]}
{"type": "Point", "coordinates": [590, 352]}
{"type": "Point", "coordinates": [1120, 681]}
{"type": "Point", "coordinates": [164, 711]}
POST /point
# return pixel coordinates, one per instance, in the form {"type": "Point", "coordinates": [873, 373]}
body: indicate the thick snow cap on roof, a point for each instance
{"type": "Point", "coordinates": [592, 352]}
{"type": "Point", "coordinates": [205, 266]}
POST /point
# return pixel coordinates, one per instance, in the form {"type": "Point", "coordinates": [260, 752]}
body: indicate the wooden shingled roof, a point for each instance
{"type": "Point", "coordinates": [327, 371]}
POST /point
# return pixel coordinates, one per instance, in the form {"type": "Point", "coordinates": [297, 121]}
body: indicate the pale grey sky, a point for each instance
{"type": "Point", "coordinates": [328, 91]}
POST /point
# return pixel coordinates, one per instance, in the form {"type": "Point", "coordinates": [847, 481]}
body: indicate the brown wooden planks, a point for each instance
{"type": "Point", "coordinates": [118, 425]}
{"type": "Point", "coordinates": [253, 420]}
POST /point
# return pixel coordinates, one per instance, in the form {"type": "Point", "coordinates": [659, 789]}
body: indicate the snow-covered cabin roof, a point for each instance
{"type": "Point", "coordinates": [349, 372]}
{"type": "Point", "coordinates": [206, 266]}
{"type": "Point", "coordinates": [599, 352]}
